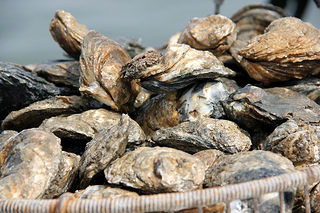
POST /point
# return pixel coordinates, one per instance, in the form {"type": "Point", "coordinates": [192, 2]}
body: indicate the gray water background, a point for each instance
{"type": "Point", "coordinates": [24, 24]}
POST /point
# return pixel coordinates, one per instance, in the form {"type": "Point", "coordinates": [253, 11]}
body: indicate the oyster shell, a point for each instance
{"type": "Point", "coordinates": [34, 114]}
{"type": "Point", "coordinates": [214, 33]}
{"type": "Point", "coordinates": [109, 144]}
{"type": "Point", "coordinates": [299, 142]}
{"type": "Point", "coordinates": [101, 61]}
{"type": "Point", "coordinates": [179, 67]}
{"type": "Point", "coordinates": [252, 165]}
{"type": "Point", "coordinates": [276, 56]}
{"type": "Point", "coordinates": [19, 88]}
{"type": "Point", "coordinates": [208, 133]}
{"type": "Point", "coordinates": [61, 72]}
{"type": "Point", "coordinates": [31, 165]}
{"type": "Point", "coordinates": [157, 169]}
{"type": "Point", "coordinates": [68, 33]}
{"type": "Point", "coordinates": [102, 191]}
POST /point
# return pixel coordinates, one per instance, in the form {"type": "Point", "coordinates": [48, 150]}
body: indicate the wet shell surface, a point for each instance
{"type": "Point", "coordinates": [101, 62]}
{"type": "Point", "coordinates": [177, 68]}
{"type": "Point", "coordinates": [68, 33]}
{"type": "Point", "coordinates": [158, 169]}
{"type": "Point", "coordinates": [275, 56]}
{"type": "Point", "coordinates": [214, 33]}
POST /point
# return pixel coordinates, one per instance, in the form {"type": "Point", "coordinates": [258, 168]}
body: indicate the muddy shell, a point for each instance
{"type": "Point", "coordinates": [157, 169]}
{"type": "Point", "coordinates": [101, 61]}
{"type": "Point", "coordinates": [102, 191]}
{"type": "Point", "coordinates": [209, 133]}
{"type": "Point", "coordinates": [275, 56]}
{"type": "Point", "coordinates": [31, 165]}
{"type": "Point", "coordinates": [35, 113]}
{"type": "Point", "coordinates": [299, 142]}
{"type": "Point", "coordinates": [67, 32]}
{"type": "Point", "coordinates": [177, 68]}
{"type": "Point", "coordinates": [109, 144]}
{"type": "Point", "coordinates": [214, 33]}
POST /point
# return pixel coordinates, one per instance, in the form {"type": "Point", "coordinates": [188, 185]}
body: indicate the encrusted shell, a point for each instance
{"type": "Point", "coordinates": [214, 33]}
{"type": "Point", "coordinates": [289, 48]}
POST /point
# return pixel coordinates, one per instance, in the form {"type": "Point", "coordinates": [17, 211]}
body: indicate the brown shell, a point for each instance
{"type": "Point", "coordinates": [289, 48]}
{"type": "Point", "coordinates": [214, 33]}
{"type": "Point", "coordinates": [69, 34]}
{"type": "Point", "coordinates": [101, 61]}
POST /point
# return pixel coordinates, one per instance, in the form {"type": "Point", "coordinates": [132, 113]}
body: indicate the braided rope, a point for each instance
{"type": "Point", "coordinates": [168, 201]}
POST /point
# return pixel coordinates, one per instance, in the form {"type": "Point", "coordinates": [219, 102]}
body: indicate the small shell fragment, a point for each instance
{"type": "Point", "coordinates": [158, 169]}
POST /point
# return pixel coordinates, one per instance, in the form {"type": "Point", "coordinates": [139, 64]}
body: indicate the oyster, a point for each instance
{"type": "Point", "coordinates": [34, 114]}
{"type": "Point", "coordinates": [208, 156]}
{"type": "Point", "coordinates": [31, 165]}
{"type": "Point", "coordinates": [61, 72]}
{"type": "Point", "coordinates": [157, 169]}
{"type": "Point", "coordinates": [102, 191]}
{"type": "Point", "coordinates": [214, 33]}
{"type": "Point", "coordinates": [276, 56]}
{"type": "Point", "coordinates": [67, 32]}
{"type": "Point", "coordinates": [252, 165]}
{"type": "Point", "coordinates": [299, 142]}
{"type": "Point", "coordinates": [179, 67]}
{"type": "Point", "coordinates": [208, 133]}
{"type": "Point", "coordinates": [109, 144]}
{"type": "Point", "coordinates": [19, 88]}
{"type": "Point", "coordinates": [101, 61]}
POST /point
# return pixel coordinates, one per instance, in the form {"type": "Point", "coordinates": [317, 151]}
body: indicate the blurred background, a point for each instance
{"type": "Point", "coordinates": [24, 25]}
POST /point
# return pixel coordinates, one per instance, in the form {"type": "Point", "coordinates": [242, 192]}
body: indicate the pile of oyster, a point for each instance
{"type": "Point", "coordinates": [224, 101]}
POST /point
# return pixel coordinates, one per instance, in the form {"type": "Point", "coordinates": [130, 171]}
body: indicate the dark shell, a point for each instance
{"type": "Point", "coordinates": [101, 61]}
{"type": "Point", "coordinates": [177, 68]}
{"type": "Point", "coordinates": [19, 88]}
{"type": "Point", "coordinates": [102, 191]}
{"type": "Point", "coordinates": [214, 33]}
{"type": "Point", "coordinates": [64, 72]}
{"type": "Point", "coordinates": [275, 56]}
{"type": "Point", "coordinates": [34, 114]}
{"type": "Point", "coordinates": [203, 134]}
{"type": "Point", "coordinates": [299, 142]}
{"type": "Point", "coordinates": [67, 32]}
{"type": "Point", "coordinates": [157, 169]}
{"type": "Point", "coordinates": [31, 165]}
{"type": "Point", "coordinates": [109, 144]}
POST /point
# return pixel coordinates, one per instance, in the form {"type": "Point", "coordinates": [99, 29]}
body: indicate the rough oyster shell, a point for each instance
{"type": "Point", "coordinates": [214, 33]}
{"type": "Point", "coordinates": [101, 61]}
{"type": "Point", "coordinates": [179, 67]}
{"type": "Point", "coordinates": [299, 142]}
{"type": "Point", "coordinates": [102, 191]}
{"type": "Point", "coordinates": [289, 48]}
{"type": "Point", "coordinates": [203, 134]}
{"type": "Point", "coordinates": [109, 144]}
{"type": "Point", "coordinates": [157, 169]}
{"type": "Point", "coordinates": [68, 33]}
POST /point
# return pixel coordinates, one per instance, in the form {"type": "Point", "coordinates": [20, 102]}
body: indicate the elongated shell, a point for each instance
{"type": "Point", "coordinates": [289, 48]}
{"type": "Point", "coordinates": [68, 33]}
{"type": "Point", "coordinates": [101, 61]}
